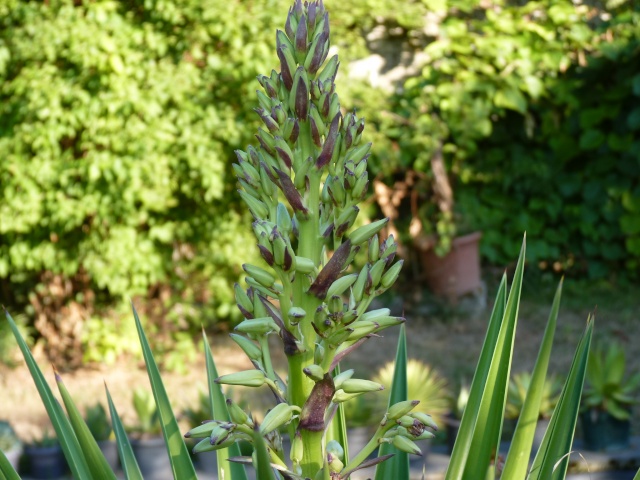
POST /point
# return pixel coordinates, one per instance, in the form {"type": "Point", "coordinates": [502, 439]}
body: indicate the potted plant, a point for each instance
{"type": "Point", "coordinates": [146, 437]}
{"type": "Point", "coordinates": [608, 398]}
{"type": "Point", "coordinates": [10, 444]}
{"type": "Point", "coordinates": [516, 395]}
{"type": "Point", "coordinates": [446, 246]}
{"type": "Point", "coordinates": [44, 457]}
{"type": "Point", "coordinates": [100, 427]}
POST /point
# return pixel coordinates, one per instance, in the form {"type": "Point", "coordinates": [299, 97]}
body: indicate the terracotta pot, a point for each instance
{"type": "Point", "coordinates": [458, 272]}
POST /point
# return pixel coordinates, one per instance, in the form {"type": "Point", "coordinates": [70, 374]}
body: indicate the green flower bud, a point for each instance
{"type": "Point", "coordinates": [205, 445]}
{"type": "Point", "coordinates": [301, 173]}
{"type": "Point", "coordinates": [258, 326]}
{"type": "Point", "coordinates": [425, 419]}
{"type": "Point", "coordinates": [425, 435]}
{"type": "Point", "coordinates": [335, 464]}
{"type": "Point", "coordinates": [266, 141]}
{"type": "Point", "coordinates": [376, 272]}
{"type": "Point", "coordinates": [305, 265]}
{"type": "Point", "coordinates": [364, 233]}
{"type": "Point", "coordinates": [374, 314]}
{"type": "Point", "coordinates": [358, 286]}
{"type": "Point", "coordinates": [341, 285]}
{"type": "Point", "coordinates": [252, 350]}
{"type": "Point", "coordinates": [334, 448]}
{"type": "Point", "coordinates": [257, 207]}
{"type": "Point", "coordinates": [401, 408]}
{"type": "Point", "coordinates": [237, 414]}
{"type": "Point", "coordinates": [287, 65]}
{"type": "Point", "coordinates": [295, 314]}
{"type": "Point", "coordinates": [374, 249]}
{"type": "Point", "coordinates": [329, 71]}
{"type": "Point", "coordinates": [202, 431]}
{"type": "Point", "coordinates": [357, 385]}
{"type": "Point", "coordinates": [314, 372]}
{"type": "Point", "coordinates": [318, 354]}
{"type": "Point", "coordinates": [406, 445]}
{"type": "Point", "coordinates": [297, 448]}
{"type": "Point", "coordinates": [283, 219]}
{"type": "Point", "coordinates": [391, 275]}
{"type": "Point", "coordinates": [278, 416]}
{"type": "Point", "coordinates": [341, 396]}
{"type": "Point", "coordinates": [361, 329]}
{"type": "Point", "coordinates": [284, 152]}
{"type": "Point", "coordinates": [341, 377]}
{"type": "Point", "coordinates": [263, 277]}
{"type": "Point", "coordinates": [264, 101]}
{"type": "Point", "coordinates": [246, 378]}
{"type": "Point", "coordinates": [335, 304]}
{"type": "Point", "coordinates": [361, 186]}
{"type": "Point", "coordinates": [242, 299]}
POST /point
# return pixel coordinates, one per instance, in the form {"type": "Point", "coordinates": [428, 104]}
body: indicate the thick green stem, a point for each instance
{"type": "Point", "coordinates": [309, 246]}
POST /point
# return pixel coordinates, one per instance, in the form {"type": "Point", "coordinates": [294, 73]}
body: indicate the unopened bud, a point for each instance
{"type": "Point", "coordinates": [257, 326]}
{"type": "Point", "coordinates": [237, 414]}
{"type": "Point", "coordinates": [341, 377]}
{"type": "Point", "coordinates": [401, 408]}
{"type": "Point", "coordinates": [247, 378]}
{"type": "Point", "coordinates": [357, 385]}
{"type": "Point", "coordinates": [406, 445]}
{"type": "Point", "coordinates": [341, 285]}
{"type": "Point", "coordinates": [314, 372]}
{"type": "Point", "coordinates": [248, 347]}
{"type": "Point", "coordinates": [391, 275]}
{"type": "Point", "coordinates": [364, 233]}
{"type": "Point", "coordinates": [263, 277]}
{"type": "Point", "coordinates": [278, 416]}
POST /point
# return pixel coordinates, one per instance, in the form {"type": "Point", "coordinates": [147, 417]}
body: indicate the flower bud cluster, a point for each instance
{"type": "Point", "coordinates": [405, 427]}
{"type": "Point", "coordinates": [302, 183]}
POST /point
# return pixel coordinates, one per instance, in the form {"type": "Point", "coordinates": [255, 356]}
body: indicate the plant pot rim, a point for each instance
{"type": "Point", "coordinates": [427, 242]}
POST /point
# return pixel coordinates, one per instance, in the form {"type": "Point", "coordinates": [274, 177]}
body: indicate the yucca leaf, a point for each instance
{"type": "Point", "coordinates": [127, 458]}
{"type": "Point", "coordinates": [481, 425]}
{"type": "Point", "coordinates": [637, 475]}
{"type": "Point", "coordinates": [263, 462]}
{"type": "Point", "coordinates": [64, 431]}
{"type": "Point", "coordinates": [219, 411]}
{"type": "Point", "coordinates": [552, 459]}
{"type": "Point", "coordinates": [179, 457]}
{"type": "Point", "coordinates": [517, 461]}
{"type": "Point", "coordinates": [96, 462]}
{"type": "Point", "coordinates": [396, 467]}
{"type": "Point", "coordinates": [6, 469]}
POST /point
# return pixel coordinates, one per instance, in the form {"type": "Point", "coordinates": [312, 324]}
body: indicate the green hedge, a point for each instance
{"type": "Point", "coordinates": [537, 108]}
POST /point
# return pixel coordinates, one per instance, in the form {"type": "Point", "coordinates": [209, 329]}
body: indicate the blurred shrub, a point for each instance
{"type": "Point", "coordinates": [119, 121]}
{"type": "Point", "coordinates": [536, 108]}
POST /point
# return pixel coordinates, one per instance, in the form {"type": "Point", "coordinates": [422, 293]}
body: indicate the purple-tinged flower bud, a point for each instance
{"type": "Point", "coordinates": [301, 92]}
{"type": "Point", "coordinates": [287, 66]}
{"type": "Point", "coordinates": [315, 134]}
{"type": "Point", "coordinates": [269, 122]}
{"type": "Point", "coordinates": [291, 25]}
{"type": "Point", "coordinates": [301, 38]}
{"type": "Point", "coordinates": [298, 9]}
{"type": "Point", "coordinates": [329, 143]}
{"type": "Point", "coordinates": [312, 11]}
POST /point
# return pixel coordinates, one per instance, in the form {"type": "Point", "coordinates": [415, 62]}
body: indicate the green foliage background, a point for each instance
{"type": "Point", "coordinates": [119, 119]}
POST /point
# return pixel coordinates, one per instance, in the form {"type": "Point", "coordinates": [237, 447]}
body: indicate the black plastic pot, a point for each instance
{"type": "Point", "coordinates": [45, 462]}
{"type": "Point", "coordinates": [109, 449]}
{"type": "Point", "coordinates": [152, 457]}
{"type": "Point", "coordinates": [603, 432]}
